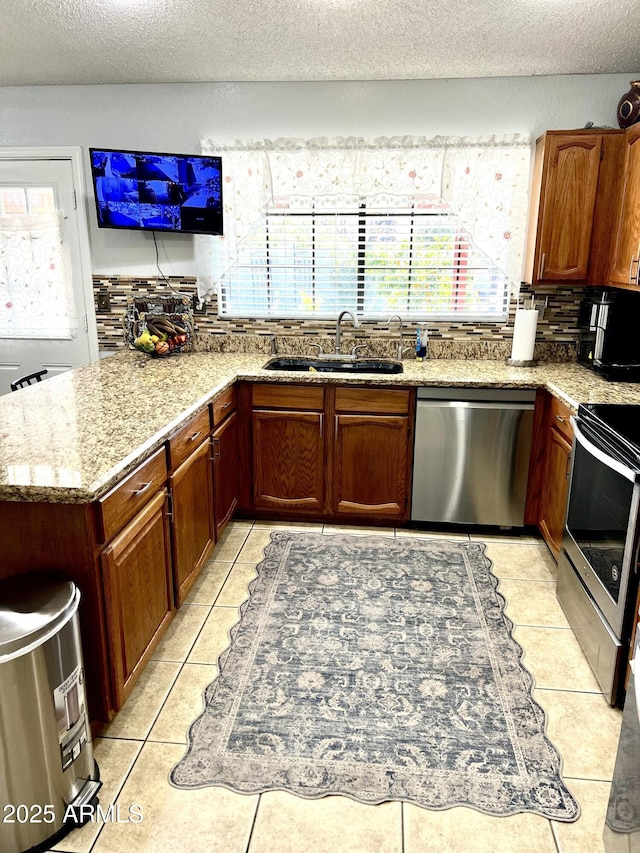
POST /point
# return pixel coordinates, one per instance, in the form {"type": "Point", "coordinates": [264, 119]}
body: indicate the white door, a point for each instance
{"type": "Point", "coordinates": [34, 182]}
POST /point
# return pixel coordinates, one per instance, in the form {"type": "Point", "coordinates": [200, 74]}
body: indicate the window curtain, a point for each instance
{"type": "Point", "coordinates": [36, 295]}
{"type": "Point", "coordinates": [483, 181]}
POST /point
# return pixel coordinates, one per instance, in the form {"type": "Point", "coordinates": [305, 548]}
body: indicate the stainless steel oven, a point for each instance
{"type": "Point", "coordinates": [598, 564]}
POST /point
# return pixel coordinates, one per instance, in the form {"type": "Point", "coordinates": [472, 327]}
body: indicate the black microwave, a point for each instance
{"type": "Point", "coordinates": [608, 339]}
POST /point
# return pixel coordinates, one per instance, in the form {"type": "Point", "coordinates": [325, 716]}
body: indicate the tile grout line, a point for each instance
{"type": "Point", "coordinates": [253, 823]}
{"type": "Point", "coordinates": [569, 690]}
{"type": "Point", "coordinates": [186, 659]}
{"type": "Point", "coordinates": [556, 839]}
{"type": "Point", "coordinates": [586, 779]}
{"type": "Point", "coordinates": [185, 662]}
{"type": "Point", "coordinates": [118, 791]}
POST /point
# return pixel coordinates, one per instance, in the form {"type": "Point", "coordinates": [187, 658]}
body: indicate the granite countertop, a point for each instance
{"type": "Point", "coordinates": [71, 437]}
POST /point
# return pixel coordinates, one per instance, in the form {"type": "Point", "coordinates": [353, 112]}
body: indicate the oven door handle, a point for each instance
{"type": "Point", "coordinates": [628, 473]}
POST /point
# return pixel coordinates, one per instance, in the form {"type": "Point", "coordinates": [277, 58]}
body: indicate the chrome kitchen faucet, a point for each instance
{"type": "Point", "coordinates": [356, 325]}
{"type": "Point", "coordinates": [400, 351]}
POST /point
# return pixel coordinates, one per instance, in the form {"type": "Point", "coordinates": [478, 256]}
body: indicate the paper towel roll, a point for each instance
{"type": "Point", "coordinates": [524, 334]}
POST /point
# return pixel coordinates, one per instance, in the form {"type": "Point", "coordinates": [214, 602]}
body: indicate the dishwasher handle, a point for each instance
{"type": "Point", "coordinates": [467, 404]}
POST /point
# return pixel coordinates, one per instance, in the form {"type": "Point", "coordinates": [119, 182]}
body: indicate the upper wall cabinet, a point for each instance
{"type": "Point", "coordinates": [625, 264]}
{"type": "Point", "coordinates": [576, 176]}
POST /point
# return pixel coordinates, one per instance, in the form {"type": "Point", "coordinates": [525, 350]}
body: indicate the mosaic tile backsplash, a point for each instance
{"type": "Point", "coordinates": [555, 340]}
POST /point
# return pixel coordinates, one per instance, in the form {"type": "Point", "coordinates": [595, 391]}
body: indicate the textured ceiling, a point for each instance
{"type": "Point", "coordinates": [164, 41]}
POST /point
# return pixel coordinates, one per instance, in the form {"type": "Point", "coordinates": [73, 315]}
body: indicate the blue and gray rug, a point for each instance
{"type": "Point", "coordinates": [380, 669]}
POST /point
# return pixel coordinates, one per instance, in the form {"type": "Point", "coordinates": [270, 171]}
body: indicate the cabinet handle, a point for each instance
{"type": "Point", "coordinates": [541, 265]}
{"type": "Point", "coordinates": [226, 405]}
{"type": "Point", "coordinates": [321, 424]}
{"type": "Point", "coordinates": [568, 471]}
{"type": "Point", "coordinates": [195, 435]}
{"type": "Point", "coordinates": [633, 261]}
{"type": "Point", "coordinates": [216, 448]}
{"type": "Point", "coordinates": [143, 488]}
{"type": "Point", "coordinates": [560, 418]}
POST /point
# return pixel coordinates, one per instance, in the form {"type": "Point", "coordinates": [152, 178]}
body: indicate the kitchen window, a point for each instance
{"type": "Point", "coordinates": [430, 229]}
{"type": "Point", "coordinates": [419, 262]}
{"type": "Point", "coordinates": [36, 292]}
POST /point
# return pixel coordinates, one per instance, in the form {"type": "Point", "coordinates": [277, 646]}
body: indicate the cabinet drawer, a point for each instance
{"type": "Point", "coordinates": [188, 438]}
{"type": "Point", "coordinates": [559, 415]}
{"type": "Point", "coordinates": [223, 405]}
{"type": "Point", "coordinates": [375, 401]}
{"type": "Point", "coordinates": [119, 505]}
{"type": "Point", "coordinates": [299, 397]}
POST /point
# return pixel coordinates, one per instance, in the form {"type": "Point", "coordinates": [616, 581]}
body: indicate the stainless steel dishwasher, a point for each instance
{"type": "Point", "coordinates": [471, 456]}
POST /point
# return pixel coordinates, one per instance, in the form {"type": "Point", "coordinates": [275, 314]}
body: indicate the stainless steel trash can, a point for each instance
{"type": "Point", "coordinates": [47, 768]}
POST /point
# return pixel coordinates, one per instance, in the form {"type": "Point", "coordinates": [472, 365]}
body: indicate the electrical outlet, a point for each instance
{"type": "Point", "coordinates": [104, 302]}
{"type": "Point", "coordinates": [196, 306]}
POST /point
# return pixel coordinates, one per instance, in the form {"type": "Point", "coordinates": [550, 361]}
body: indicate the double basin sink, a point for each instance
{"type": "Point", "coordinates": [332, 364]}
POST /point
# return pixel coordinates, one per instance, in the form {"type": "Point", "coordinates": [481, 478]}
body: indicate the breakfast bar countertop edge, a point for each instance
{"type": "Point", "coordinates": [72, 437]}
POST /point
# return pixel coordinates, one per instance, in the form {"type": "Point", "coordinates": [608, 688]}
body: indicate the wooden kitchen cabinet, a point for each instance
{"type": "Point", "coordinates": [136, 573]}
{"type": "Point", "coordinates": [371, 464]}
{"type": "Point", "coordinates": [625, 262]}
{"type": "Point", "coordinates": [549, 479]}
{"type": "Point", "coordinates": [45, 537]}
{"type": "Point", "coordinates": [192, 510]}
{"type": "Point", "coordinates": [135, 561]}
{"type": "Point", "coordinates": [576, 178]}
{"type": "Point", "coordinates": [227, 458]}
{"type": "Point", "coordinates": [226, 453]}
{"type": "Point", "coordinates": [288, 448]}
{"type": "Point", "coordinates": [360, 468]}
{"type": "Point", "coordinates": [117, 550]}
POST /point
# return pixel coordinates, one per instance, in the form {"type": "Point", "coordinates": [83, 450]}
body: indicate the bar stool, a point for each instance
{"type": "Point", "coordinates": [27, 380]}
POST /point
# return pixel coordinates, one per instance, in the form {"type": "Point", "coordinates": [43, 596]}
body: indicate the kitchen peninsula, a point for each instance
{"type": "Point", "coordinates": [87, 459]}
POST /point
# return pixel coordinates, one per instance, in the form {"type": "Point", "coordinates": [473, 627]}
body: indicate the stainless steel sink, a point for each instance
{"type": "Point", "coordinates": [333, 364]}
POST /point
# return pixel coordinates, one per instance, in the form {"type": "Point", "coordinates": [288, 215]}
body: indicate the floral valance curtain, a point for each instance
{"type": "Point", "coordinates": [483, 181]}
{"type": "Point", "coordinates": [36, 295]}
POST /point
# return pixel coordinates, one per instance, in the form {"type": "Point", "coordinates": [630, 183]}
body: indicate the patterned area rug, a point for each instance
{"type": "Point", "coordinates": [381, 669]}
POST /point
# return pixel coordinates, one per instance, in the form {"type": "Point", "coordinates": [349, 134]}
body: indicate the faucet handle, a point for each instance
{"type": "Point", "coordinates": [319, 348]}
{"type": "Point", "coordinates": [354, 351]}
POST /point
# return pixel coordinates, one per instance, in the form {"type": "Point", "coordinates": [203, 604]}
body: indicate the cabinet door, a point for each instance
{"type": "Point", "coordinates": [226, 448]}
{"type": "Point", "coordinates": [371, 465]}
{"type": "Point", "coordinates": [555, 490]}
{"type": "Point", "coordinates": [625, 266]}
{"type": "Point", "coordinates": [288, 460]}
{"type": "Point", "coordinates": [570, 182]}
{"type": "Point", "coordinates": [192, 518]}
{"type": "Point", "coordinates": [136, 571]}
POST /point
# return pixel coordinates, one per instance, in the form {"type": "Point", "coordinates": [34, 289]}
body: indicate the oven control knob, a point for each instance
{"type": "Point", "coordinates": [585, 571]}
{"type": "Point", "coordinates": [615, 573]}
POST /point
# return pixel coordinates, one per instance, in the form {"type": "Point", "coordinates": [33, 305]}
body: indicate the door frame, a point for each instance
{"type": "Point", "coordinates": [75, 155]}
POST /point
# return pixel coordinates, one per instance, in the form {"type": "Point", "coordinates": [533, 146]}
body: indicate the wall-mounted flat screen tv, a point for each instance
{"type": "Point", "coordinates": [157, 192]}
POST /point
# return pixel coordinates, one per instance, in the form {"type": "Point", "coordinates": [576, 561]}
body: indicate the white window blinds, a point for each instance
{"type": "Point", "coordinates": [431, 230]}
{"type": "Point", "coordinates": [419, 262]}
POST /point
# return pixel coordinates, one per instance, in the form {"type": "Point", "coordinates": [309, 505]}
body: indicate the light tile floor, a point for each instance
{"type": "Point", "coordinates": [139, 748]}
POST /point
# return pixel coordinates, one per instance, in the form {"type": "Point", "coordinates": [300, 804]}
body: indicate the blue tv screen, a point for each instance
{"type": "Point", "coordinates": [157, 192]}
